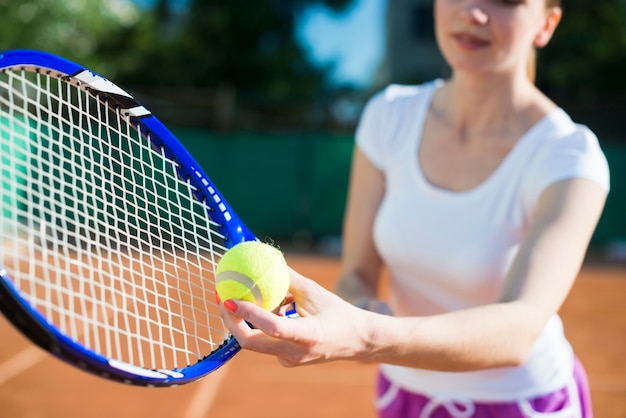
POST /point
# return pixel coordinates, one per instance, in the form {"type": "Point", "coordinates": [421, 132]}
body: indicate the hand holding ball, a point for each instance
{"type": "Point", "coordinates": [255, 272]}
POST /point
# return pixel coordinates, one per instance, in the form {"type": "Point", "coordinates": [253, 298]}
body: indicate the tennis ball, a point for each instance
{"type": "Point", "coordinates": [255, 272]}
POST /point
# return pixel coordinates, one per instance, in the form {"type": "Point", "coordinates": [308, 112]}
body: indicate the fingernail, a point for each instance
{"type": "Point", "coordinates": [217, 298]}
{"type": "Point", "coordinates": [230, 305]}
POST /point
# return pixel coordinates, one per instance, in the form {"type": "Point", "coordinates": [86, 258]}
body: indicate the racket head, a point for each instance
{"type": "Point", "coordinates": [21, 294]}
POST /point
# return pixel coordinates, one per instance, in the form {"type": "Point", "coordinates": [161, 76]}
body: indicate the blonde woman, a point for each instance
{"type": "Point", "coordinates": [479, 195]}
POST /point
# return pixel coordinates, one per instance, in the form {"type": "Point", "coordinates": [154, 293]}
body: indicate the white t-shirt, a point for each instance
{"type": "Point", "coordinates": [447, 250]}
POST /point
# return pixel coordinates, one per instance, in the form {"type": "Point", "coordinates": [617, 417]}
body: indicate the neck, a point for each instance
{"type": "Point", "coordinates": [481, 102]}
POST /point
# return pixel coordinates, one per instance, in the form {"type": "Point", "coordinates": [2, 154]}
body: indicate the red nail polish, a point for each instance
{"type": "Point", "coordinates": [230, 305]}
{"type": "Point", "coordinates": [217, 298]}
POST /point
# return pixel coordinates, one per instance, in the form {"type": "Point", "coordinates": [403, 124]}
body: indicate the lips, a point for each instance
{"type": "Point", "coordinates": [469, 41]}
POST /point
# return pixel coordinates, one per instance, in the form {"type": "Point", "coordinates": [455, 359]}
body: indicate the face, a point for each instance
{"type": "Point", "coordinates": [492, 36]}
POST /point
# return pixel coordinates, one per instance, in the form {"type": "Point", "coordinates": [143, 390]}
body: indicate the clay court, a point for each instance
{"type": "Point", "coordinates": [35, 385]}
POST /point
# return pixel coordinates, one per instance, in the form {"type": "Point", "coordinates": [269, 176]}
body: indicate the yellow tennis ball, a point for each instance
{"type": "Point", "coordinates": [255, 272]}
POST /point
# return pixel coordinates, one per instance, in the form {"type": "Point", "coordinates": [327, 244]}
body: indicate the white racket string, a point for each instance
{"type": "Point", "coordinates": [99, 232]}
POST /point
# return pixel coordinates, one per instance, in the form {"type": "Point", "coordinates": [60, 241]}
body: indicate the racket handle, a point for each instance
{"type": "Point", "coordinates": [292, 313]}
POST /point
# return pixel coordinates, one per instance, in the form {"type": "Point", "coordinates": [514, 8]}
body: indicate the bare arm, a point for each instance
{"type": "Point", "coordinates": [500, 334]}
{"type": "Point", "coordinates": [360, 263]}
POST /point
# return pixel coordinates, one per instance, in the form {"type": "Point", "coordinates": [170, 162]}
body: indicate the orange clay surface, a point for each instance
{"type": "Point", "coordinates": [36, 385]}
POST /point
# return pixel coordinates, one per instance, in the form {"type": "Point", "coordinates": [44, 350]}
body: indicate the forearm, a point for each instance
{"type": "Point", "coordinates": [489, 336]}
{"type": "Point", "coordinates": [331, 329]}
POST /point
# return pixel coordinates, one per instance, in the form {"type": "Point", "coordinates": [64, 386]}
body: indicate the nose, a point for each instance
{"type": "Point", "coordinates": [475, 14]}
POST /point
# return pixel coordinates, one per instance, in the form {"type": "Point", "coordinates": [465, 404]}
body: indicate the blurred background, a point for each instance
{"type": "Point", "coordinates": [266, 93]}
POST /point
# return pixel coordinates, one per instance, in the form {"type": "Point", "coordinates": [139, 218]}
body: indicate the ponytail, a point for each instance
{"type": "Point", "coordinates": [531, 66]}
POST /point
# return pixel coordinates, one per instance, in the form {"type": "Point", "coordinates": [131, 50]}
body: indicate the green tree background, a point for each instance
{"type": "Point", "coordinates": [219, 63]}
{"type": "Point", "coordinates": [235, 70]}
{"type": "Point", "coordinates": [236, 64]}
{"type": "Point", "coordinates": [586, 59]}
{"type": "Point", "coordinates": [583, 66]}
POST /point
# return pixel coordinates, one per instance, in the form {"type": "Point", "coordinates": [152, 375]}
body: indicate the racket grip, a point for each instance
{"type": "Point", "coordinates": [292, 313]}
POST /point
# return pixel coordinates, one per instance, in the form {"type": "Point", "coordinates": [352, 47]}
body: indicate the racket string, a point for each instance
{"type": "Point", "coordinates": [109, 243]}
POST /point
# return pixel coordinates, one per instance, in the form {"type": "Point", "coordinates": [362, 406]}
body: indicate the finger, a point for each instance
{"type": "Point", "coordinates": [256, 339]}
{"type": "Point", "coordinates": [235, 324]}
{"type": "Point", "coordinates": [305, 291]}
{"type": "Point", "coordinates": [287, 307]}
{"type": "Point", "coordinates": [274, 326]}
{"type": "Point", "coordinates": [248, 337]}
{"type": "Point", "coordinates": [261, 319]}
{"type": "Point", "coordinates": [296, 280]}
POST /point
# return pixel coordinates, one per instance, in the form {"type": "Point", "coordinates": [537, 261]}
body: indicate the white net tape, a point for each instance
{"type": "Point", "coordinates": [98, 231]}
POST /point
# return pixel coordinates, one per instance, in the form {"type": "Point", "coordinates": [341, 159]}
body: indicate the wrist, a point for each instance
{"type": "Point", "coordinates": [373, 337]}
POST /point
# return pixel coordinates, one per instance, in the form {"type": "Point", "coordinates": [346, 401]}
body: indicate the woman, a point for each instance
{"type": "Point", "coordinates": [479, 195]}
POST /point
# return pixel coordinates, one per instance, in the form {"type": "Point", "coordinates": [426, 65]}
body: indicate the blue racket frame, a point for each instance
{"type": "Point", "coordinates": [36, 327]}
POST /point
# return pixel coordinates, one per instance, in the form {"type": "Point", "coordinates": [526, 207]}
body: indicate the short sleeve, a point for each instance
{"type": "Point", "coordinates": [369, 132]}
{"type": "Point", "coordinates": [576, 155]}
{"type": "Point", "coordinates": [387, 118]}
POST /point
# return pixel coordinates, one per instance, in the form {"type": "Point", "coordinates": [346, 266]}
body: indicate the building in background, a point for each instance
{"type": "Point", "coordinates": [412, 55]}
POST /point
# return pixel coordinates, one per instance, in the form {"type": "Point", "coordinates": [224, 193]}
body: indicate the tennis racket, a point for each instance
{"type": "Point", "coordinates": [109, 230]}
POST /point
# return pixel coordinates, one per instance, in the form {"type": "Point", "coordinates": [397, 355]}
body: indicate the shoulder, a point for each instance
{"type": "Point", "coordinates": [567, 138]}
{"type": "Point", "coordinates": [388, 116]}
{"type": "Point", "coordinates": [567, 150]}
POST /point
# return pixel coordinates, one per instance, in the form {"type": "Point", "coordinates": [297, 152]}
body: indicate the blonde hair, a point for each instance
{"type": "Point", "coordinates": [531, 66]}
